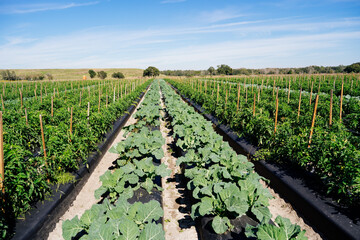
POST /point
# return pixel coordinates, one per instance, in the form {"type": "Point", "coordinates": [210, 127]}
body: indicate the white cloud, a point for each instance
{"type": "Point", "coordinates": [172, 49]}
{"type": "Point", "coordinates": [31, 8]}
{"type": "Point", "coordinates": [219, 15]}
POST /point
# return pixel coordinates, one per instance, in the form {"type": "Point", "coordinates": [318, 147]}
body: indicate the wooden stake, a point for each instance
{"type": "Point", "coordinates": [313, 119]}
{"type": "Point", "coordinates": [254, 104]}
{"type": "Point", "coordinates": [246, 95]}
{"type": "Point", "coordinates": [26, 117]}
{"type": "Point", "coordinates": [114, 94]}
{"type": "Point", "coordinates": [21, 98]}
{"type": "Point", "coordinates": [341, 99]}
{"type": "Point", "coordinates": [299, 104]}
{"type": "Point", "coordinates": [88, 110]}
{"type": "Point", "coordinates": [71, 121]}
{"type": "Point", "coordinates": [289, 91]}
{"type": "Point", "coordinates": [274, 87]}
{"type": "Point", "coordinates": [217, 98]}
{"type": "Point", "coordinates": [99, 101]}
{"type": "Point", "coordinates": [238, 98]}
{"type": "Point", "coordinates": [331, 106]}
{"type": "Point", "coordinates": [43, 137]}
{"type": "Point", "coordinates": [2, 168]}
{"type": "Point", "coordinates": [312, 84]}
{"type": "Point", "coordinates": [276, 113]}
{"type": "Point", "coordinates": [226, 98]}
{"type": "Point", "coordinates": [35, 94]}
{"type": "Point", "coordinates": [106, 104]}
{"type": "Point", "coordinates": [52, 106]}
{"type": "Point", "coordinates": [80, 100]}
{"type": "Point", "coordinates": [2, 102]}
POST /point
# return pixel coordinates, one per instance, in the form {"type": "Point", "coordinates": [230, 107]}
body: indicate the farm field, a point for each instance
{"type": "Point", "coordinates": [170, 172]}
{"type": "Point", "coordinates": [49, 130]}
{"type": "Point", "coordinates": [77, 74]}
{"type": "Point", "coordinates": [285, 124]}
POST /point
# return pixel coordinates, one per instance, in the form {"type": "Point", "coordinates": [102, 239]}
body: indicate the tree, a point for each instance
{"type": "Point", "coordinates": [355, 68]}
{"type": "Point", "coordinates": [102, 74]}
{"type": "Point", "coordinates": [92, 73]}
{"type": "Point", "coordinates": [7, 75]}
{"type": "Point", "coordinates": [224, 69]}
{"type": "Point", "coordinates": [211, 70]}
{"type": "Point", "coordinates": [118, 75]}
{"type": "Point", "coordinates": [151, 72]}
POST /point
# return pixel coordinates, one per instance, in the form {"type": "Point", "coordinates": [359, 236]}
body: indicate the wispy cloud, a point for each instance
{"type": "Point", "coordinates": [172, 1]}
{"type": "Point", "coordinates": [219, 15]}
{"type": "Point", "coordinates": [173, 49]}
{"type": "Point", "coordinates": [31, 8]}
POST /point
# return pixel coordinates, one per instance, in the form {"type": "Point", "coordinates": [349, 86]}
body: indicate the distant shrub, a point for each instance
{"type": "Point", "coordinates": [102, 74]}
{"type": "Point", "coordinates": [151, 72]}
{"type": "Point", "coordinates": [92, 73]}
{"type": "Point", "coordinates": [355, 68]}
{"type": "Point", "coordinates": [118, 75]}
{"type": "Point", "coordinates": [9, 75]}
{"type": "Point", "coordinates": [49, 76]}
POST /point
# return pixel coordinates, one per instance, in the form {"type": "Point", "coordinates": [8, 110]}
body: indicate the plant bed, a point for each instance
{"type": "Point", "coordinates": [38, 220]}
{"type": "Point", "coordinates": [333, 220]}
{"type": "Point", "coordinates": [206, 231]}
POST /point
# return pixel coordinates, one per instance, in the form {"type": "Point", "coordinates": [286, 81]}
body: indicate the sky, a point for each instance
{"type": "Point", "coordinates": [178, 34]}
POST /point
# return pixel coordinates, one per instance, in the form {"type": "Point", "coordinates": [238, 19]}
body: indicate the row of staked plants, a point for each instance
{"type": "Point", "coordinates": [333, 155]}
{"type": "Point", "coordinates": [223, 184]}
{"type": "Point", "coordinates": [117, 215]}
{"type": "Point", "coordinates": [29, 175]}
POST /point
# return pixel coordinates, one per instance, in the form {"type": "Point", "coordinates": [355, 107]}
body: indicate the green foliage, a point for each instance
{"type": "Point", "coordinates": [284, 230]}
{"type": "Point", "coordinates": [9, 75]}
{"type": "Point", "coordinates": [118, 75]}
{"type": "Point", "coordinates": [102, 74]}
{"type": "Point", "coordinates": [353, 68]}
{"type": "Point", "coordinates": [224, 69]}
{"type": "Point", "coordinates": [119, 221]}
{"type": "Point", "coordinates": [92, 73]}
{"type": "Point", "coordinates": [151, 72]}
{"type": "Point", "coordinates": [211, 70]}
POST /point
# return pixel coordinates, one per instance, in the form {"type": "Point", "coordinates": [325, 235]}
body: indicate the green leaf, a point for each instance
{"type": "Point", "coordinates": [291, 230]}
{"type": "Point", "coordinates": [90, 215]}
{"type": "Point", "coordinates": [206, 206]}
{"type": "Point", "coordinates": [162, 170]}
{"type": "Point", "coordinates": [71, 228]}
{"type": "Point", "coordinates": [100, 191]}
{"type": "Point", "coordinates": [220, 224]}
{"type": "Point", "coordinates": [237, 205]}
{"type": "Point", "coordinates": [152, 231]}
{"type": "Point", "coordinates": [262, 213]}
{"type": "Point", "coordinates": [100, 230]}
{"type": "Point", "coordinates": [148, 185]}
{"type": "Point", "coordinates": [128, 168]}
{"type": "Point", "coordinates": [270, 232]}
{"type": "Point", "coordinates": [129, 229]}
{"type": "Point", "coordinates": [131, 178]}
{"type": "Point", "coordinates": [159, 154]}
{"type": "Point", "coordinates": [149, 211]}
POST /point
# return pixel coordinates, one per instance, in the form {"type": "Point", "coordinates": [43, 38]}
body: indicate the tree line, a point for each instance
{"type": "Point", "coordinates": [224, 69]}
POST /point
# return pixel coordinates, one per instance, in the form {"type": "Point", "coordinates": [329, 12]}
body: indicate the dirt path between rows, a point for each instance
{"type": "Point", "coordinates": [85, 199]}
{"type": "Point", "coordinates": [178, 224]}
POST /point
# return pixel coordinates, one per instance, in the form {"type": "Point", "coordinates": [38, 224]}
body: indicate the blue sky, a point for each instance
{"type": "Point", "coordinates": [178, 34]}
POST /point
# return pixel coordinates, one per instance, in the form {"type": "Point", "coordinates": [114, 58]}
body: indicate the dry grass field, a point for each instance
{"type": "Point", "coordinates": [77, 74]}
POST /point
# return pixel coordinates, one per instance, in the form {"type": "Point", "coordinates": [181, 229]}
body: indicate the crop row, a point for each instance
{"type": "Point", "coordinates": [128, 207]}
{"type": "Point", "coordinates": [331, 152]}
{"type": "Point", "coordinates": [224, 186]}
{"type": "Point", "coordinates": [29, 173]}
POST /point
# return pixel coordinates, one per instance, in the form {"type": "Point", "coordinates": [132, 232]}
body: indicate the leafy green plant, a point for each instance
{"type": "Point", "coordinates": [283, 230]}
{"type": "Point", "coordinates": [120, 221]}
